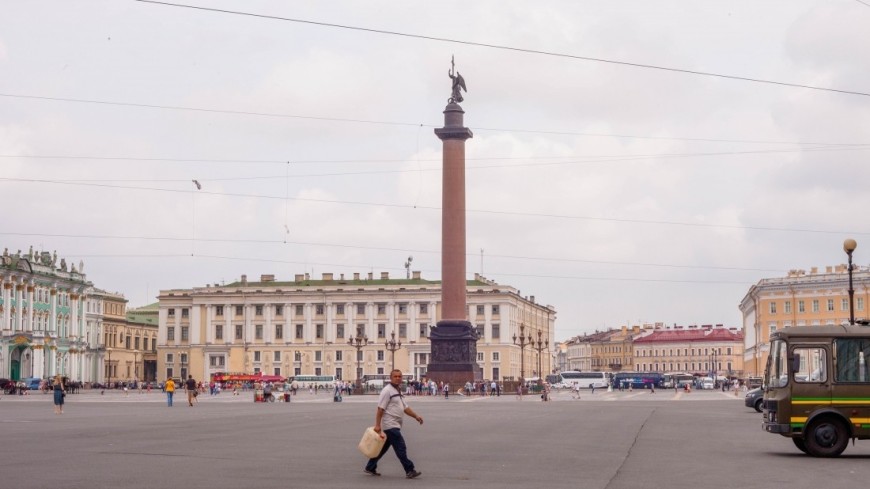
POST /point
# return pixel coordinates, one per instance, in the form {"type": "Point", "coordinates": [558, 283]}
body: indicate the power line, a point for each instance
{"type": "Point", "coordinates": [510, 48]}
{"type": "Point", "coordinates": [392, 123]}
{"type": "Point", "coordinates": [601, 159]}
{"type": "Point", "coordinates": [434, 208]}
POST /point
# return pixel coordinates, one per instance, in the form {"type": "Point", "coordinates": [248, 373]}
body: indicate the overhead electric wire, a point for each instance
{"type": "Point", "coordinates": [509, 48]}
{"type": "Point", "coordinates": [435, 208]}
{"type": "Point", "coordinates": [411, 124]}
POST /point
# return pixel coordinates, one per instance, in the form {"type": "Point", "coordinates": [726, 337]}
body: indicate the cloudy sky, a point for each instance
{"type": "Point", "coordinates": [617, 193]}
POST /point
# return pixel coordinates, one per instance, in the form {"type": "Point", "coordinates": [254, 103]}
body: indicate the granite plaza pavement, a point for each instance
{"type": "Point", "coordinates": [606, 440]}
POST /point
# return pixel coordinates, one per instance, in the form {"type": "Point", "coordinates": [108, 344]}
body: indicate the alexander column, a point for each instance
{"type": "Point", "coordinates": [453, 340]}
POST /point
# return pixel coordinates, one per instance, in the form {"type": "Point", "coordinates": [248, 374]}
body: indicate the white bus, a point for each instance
{"type": "Point", "coordinates": [585, 380]}
{"type": "Point", "coordinates": [305, 381]}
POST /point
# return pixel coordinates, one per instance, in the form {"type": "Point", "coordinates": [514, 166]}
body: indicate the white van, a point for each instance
{"type": "Point", "coordinates": [707, 383]}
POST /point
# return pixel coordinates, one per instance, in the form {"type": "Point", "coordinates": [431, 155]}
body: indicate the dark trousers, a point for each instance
{"type": "Point", "coordinates": [395, 440]}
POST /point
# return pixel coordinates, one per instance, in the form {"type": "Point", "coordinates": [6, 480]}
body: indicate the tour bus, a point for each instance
{"type": "Point", "coordinates": [817, 387]}
{"type": "Point", "coordinates": [638, 380]}
{"type": "Point", "coordinates": [380, 380]}
{"type": "Point", "coordinates": [677, 379]}
{"type": "Point", "coordinates": [584, 379]}
{"type": "Point", "coordinates": [305, 381]}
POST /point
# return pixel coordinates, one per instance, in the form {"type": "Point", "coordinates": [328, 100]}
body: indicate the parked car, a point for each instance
{"type": "Point", "coordinates": [707, 383]}
{"type": "Point", "coordinates": [32, 383]}
{"type": "Point", "coordinates": [754, 398]}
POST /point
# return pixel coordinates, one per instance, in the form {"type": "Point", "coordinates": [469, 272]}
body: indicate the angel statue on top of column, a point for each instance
{"type": "Point", "coordinates": [458, 83]}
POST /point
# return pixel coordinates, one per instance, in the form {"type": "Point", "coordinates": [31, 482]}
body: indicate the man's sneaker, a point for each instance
{"type": "Point", "coordinates": [372, 472]}
{"type": "Point", "coordinates": [413, 474]}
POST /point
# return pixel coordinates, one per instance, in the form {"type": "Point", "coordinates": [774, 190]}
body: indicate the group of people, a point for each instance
{"type": "Point", "coordinates": [482, 388]}
{"type": "Point", "coordinates": [190, 386]}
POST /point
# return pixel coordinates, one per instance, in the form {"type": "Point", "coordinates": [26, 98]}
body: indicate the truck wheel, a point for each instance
{"type": "Point", "coordinates": [758, 405]}
{"type": "Point", "coordinates": [800, 444]}
{"type": "Point", "coordinates": [826, 437]}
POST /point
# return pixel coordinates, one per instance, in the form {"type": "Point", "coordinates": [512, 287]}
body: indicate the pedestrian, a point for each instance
{"type": "Point", "coordinates": [391, 406]}
{"type": "Point", "coordinates": [446, 389]}
{"type": "Point", "coordinates": [59, 394]}
{"type": "Point", "coordinates": [190, 385]}
{"type": "Point", "coordinates": [576, 390]}
{"type": "Point", "coordinates": [593, 388]}
{"type": "Point", "coordinates": [520, 391]}
{"type": "Point", "coordinates": [169, 387]}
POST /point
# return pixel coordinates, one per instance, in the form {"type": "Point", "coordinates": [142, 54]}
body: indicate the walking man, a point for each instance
{"type": "Point", "coordinates": [169, 387]}
{"type": "Point", "coordinates": [190, 385]}
{"type": "Point", "coordinates": [391, 407]}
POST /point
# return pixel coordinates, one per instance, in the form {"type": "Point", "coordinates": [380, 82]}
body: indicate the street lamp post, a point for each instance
{"type": "Point", "coordinates": [539, 345]}
{"type": "Point", "coordinates": [392, 345]}
{"type": "Point", "coordinates": [523, 341]}
{"type": "Point", "coordinates": [713, 369]}
{"type": "Point", "coordinates": [136, 366]}
{"type": "Point", "coordinates": [849, 246]}
{"type": "Point", "coordinates": [358, 343]}
{"type": "Point", "coordinates": [109, 368]}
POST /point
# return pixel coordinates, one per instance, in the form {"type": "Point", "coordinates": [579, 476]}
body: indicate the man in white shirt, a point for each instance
{"type": "Point", "coordinates": [391, 407]}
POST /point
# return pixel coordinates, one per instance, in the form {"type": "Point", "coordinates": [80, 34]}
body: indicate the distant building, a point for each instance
{"type": "Point", "coordinates": [698, 350]}
{"type": "Point", "coordinates": [302, 327]}
{"type": "Point", "coordinates": [798, 299]}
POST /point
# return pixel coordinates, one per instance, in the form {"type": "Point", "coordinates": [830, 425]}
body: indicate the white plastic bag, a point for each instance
{"type": "Point", "coordinates": [372, 442]}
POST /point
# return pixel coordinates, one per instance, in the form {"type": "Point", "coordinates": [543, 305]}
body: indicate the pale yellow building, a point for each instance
{"type": "Point", "coordinates": [302, 327]}
{"type": "Point", "coordinates": [698, 350]}
{"type": "Point", "coordinates": [798, 299]}
{"type": "Point", "coordinates": [612, 351]}
{"type": "Point", "coordinates": [126, 343]}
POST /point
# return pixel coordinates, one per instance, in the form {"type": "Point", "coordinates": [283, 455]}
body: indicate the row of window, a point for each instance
{"type": "Point", "coordinates": [238, 331]}
{"type": "Point", "coordinates": [129, 342]}
{"type": "Point", "coordinates": [319, 310]}
{"type": "Point", "coordinates": [814, 304]}
{"type": "Point", "coordinates": [706, 351]}
{"type": "Point", "coordinates": [219, 361]}
{"type": "Point", "coordinates": [685, 367]}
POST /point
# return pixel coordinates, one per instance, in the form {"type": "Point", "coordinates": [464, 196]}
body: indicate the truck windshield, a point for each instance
{"type": "Point", "coordinates": [777, 370]}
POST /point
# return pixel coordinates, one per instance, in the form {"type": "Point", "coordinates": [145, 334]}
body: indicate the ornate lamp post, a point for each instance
{"type": "Point", "coordinates": [358, 343]}
{"type": "Point", "coordinates": [539, 345]}
{"type": "Point", "coordinates": [136, 366]}
{"type": "Point", "coordinates": [109, 368]}
{"type": "Point", "coordinates": [713, 369]}
{"type": "Point", "coordinates": [392, 345]}
{"type": "Point", "coordinates": [522, 340]}
{"type": "Point", "coordinates": [849, 246]}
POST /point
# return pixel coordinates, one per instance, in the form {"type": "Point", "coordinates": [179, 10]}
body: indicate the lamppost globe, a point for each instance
{"type": "Point", "coordinates": [849, 246]}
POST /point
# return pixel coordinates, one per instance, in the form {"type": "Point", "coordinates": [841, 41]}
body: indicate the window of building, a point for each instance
{"type": "Point", "coordinates": [299, 309]}
{"type": "Point", "coordinates": [382, 309]}
{"type": "Point", "coordinates": [423, 330]}
{"type": "Point", "coordinates": [258, 310]}
{"type": "Point", "coordinates": [297, 356]}
{"type": "Point", "coordinates": [830, 305]}
{"type": "Point", "coordinates": [136, 343]}
{"type": "Point", "coordinates": [276, 371]}
{"type": "Point", "coordinates": [219, 331]}
{"type": "Point", "coordinates": [773, 307]}
{"type": "Point", "coordinates": [279, 331]}
{"type": "Point", "coordinates": [495, 372]}
{"type": "Point", "coordinates": [185, 313]}
{"type": "Point", "coordinates": [403, 308]}
{"type": "Point", "coordinates": [219, 310]}
{"type": "Point", "coordinates": [258, 331]}
{"type": "Point", "coordinates": [479, 330]}
{"type": "Point", "coordinates": [339, 331]}
{"type": "Point", "coordinates": [787, 308]}
{"type": "Point", "coordinates": [170, 312]}
{"type": "Point", "coordinates": [239, 310]}
{"type": "Point", "coordinates": [256, 355]}
{"type": "Point", "coordinates": [170, 333]}
{"type": "Point", "coordinates": [318, 331]}
{"type": "Point", "coordinates": [183, 358]}
{"type": "Point", "coordinates": [276, 356]}
{"type": "Point", "coordinates": [480, 356]}
{"type": "Point", "coordinates": [844, 304]}
{"type": "Point", "coordinates": [496, 331]}
{"type": "Point", "coordinates": [279, 310]}
{"type": "Point", "coordinates": [339, 309]}
{"type": "Point", "coordinates": [360, 330]}
{"type": "Point", "coordinates": [300, 329]}
{"type": "Point", "coordinates": [859, 303]}
{"type": "Point", "coordinates": [297, 371]}
{"type": "Point", "coordinates": [815, 305]}
{"type": "Point", "coordinates": [216, 361]}
{"type": "Point", "coordinates": [424, 308]}
{"type": "Point", "coordinates": [318, 309]}
{"type": "Point", "coordinates": [338, 373]}
{"type": "Point", "coordinates": [238, 331]}
{"type": "Point", "coordinates": [801, 306]}
{"type": "Point", "coordinates": [360, 309]}
{"type": "Point", "coordinates": [382, 330]}
{"type": "Point", "coordinates": [169, 373]}
{"type": "Point", "coordinates": [772, 328]}
{"type": "Point", "coordinates": [170, 358]}
{"type": "Point", "coordinates": [495, 356]}
{"type": "Point", "coordinates": [339, 356]}
{"type": "Point", "coordinates": [403, 330]}
{"type": "Point", "coordinates": [380, 355]}
{"type": "Point", "coordinates": [495, 310]}
{"type": "Point", "coordinates": [480, 310]}
{"type": "Point", "coordinates": [256, 370]}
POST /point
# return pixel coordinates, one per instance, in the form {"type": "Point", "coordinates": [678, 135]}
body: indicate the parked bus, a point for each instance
{"type": "Point", "coordinates": [380, 380]}
{"type": "Point", "coordinates": [677, 379]}
{"type": "Point", "coordinates": [319, 380]}
{"type": "Point", "coordinates": [638, 380]}
{"type": "Point", "coordinates": [817, 387]}
{"type": "Point", "coordinates": [584, 379]}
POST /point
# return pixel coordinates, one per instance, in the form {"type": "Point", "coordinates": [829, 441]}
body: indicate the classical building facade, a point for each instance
{"type": "Point", "coordinates": [43, 329]}
{"type": "Point", "coordinates": [302, 327]}
{"type": "Point", "coordinates": [698, 350]}
{"type": "Point", "coordinates": [798, 299]}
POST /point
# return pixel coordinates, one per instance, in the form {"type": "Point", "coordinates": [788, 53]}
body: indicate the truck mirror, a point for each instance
{"type": "Point", "coordinates": [796, 363]}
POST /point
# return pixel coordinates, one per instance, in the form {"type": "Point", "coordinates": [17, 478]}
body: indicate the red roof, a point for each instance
{"type": "Point", "coordinates": [682, 335]}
